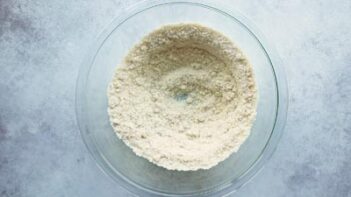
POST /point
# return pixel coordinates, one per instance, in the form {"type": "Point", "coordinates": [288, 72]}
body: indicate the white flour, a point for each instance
{"type": "Point", "coordinates": [184, 97]}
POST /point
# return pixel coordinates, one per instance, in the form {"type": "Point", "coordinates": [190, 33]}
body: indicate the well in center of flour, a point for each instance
{"type": "Point", "coordinates": [184, 97]}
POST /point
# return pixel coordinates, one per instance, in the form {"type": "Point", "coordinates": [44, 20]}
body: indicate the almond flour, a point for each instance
{"type": "Point", "coordinates": [184, 97]}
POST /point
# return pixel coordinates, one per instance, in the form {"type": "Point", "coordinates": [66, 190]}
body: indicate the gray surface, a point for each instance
{"type": "Point", "coordinates": [43, 42]}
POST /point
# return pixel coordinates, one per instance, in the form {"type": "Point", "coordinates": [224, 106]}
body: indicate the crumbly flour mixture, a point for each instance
{"type": "Point", "coordinates": [184, 97]}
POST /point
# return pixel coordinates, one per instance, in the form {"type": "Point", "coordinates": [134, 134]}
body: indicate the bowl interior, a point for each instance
{"type": "Point", "coordinates": [116, 158]}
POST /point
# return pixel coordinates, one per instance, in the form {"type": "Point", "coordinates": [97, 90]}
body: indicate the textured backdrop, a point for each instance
{"type": "Point", "coordinates": [42, 44]}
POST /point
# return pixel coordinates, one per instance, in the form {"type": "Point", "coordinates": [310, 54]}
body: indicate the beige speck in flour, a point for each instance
{"type": "Point", "coordinates": [184, 97]}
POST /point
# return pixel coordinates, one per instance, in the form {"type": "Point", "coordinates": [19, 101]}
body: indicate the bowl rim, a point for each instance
{"type": "Point", "coordinates": [282, 98]}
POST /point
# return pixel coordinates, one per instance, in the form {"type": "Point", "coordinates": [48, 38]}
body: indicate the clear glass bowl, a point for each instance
{"type": "Point", "coordinates": [137, 174]}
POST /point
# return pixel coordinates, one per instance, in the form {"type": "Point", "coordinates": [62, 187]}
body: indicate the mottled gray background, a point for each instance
{"type": "Point", "coordinates": [42, 43]}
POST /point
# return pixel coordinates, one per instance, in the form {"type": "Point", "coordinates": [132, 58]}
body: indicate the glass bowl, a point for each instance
{"type": "Point", "coordinates": [137, 174]}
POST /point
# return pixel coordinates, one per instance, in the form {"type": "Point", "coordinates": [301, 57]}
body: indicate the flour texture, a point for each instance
{"type": "Point", "coordinates": [184, 97]}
